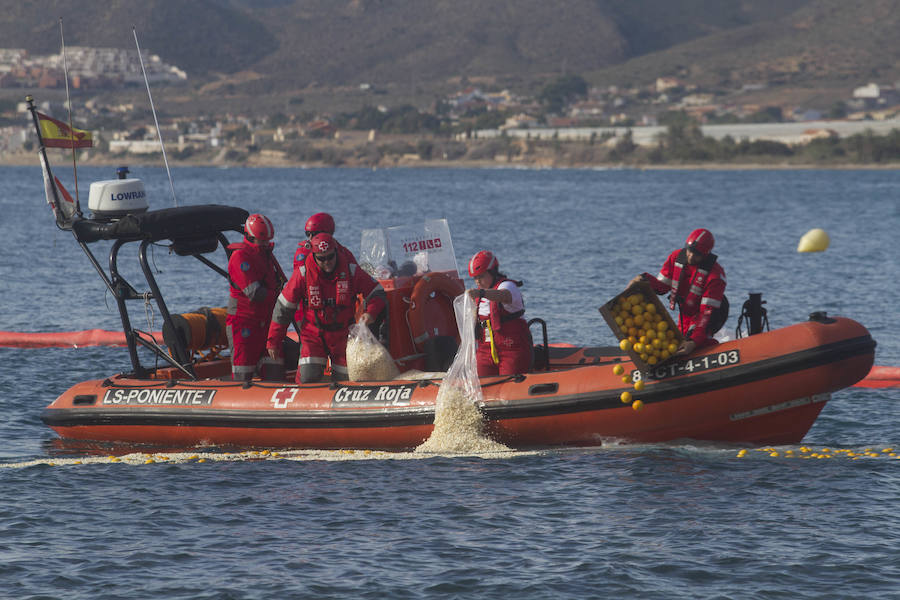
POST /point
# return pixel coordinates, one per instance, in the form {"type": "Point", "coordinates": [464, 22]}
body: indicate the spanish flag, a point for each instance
{"type": "Point", "coordinates": [57, 134]}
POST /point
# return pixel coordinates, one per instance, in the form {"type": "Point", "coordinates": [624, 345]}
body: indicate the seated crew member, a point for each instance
{"type": "Point", "coordinates": [326, 286]}
{"type": "Point", "coordinates": [504, 342]}
{"type": "Point", "coordinates": [695, 282]}
{"type": "Point", "coordinates": [254, 277]}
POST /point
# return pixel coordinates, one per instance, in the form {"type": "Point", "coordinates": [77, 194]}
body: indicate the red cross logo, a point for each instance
{"type": "Point", "coordinates": [282, 397]}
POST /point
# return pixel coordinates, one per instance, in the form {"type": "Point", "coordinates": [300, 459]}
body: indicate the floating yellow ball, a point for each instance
{"type": "Point", "coordinates": [625, 397]}
{"type": "Point", "coordinates": [814, 240]}
{"type": "Point", "coordinates": [618, 369]}
{"type": "Point", "coordinates": [625, 345]}
{"type": "Point", "coordinates": [639, 384]}
{"type": "Point", "coordinates": [637, 405]}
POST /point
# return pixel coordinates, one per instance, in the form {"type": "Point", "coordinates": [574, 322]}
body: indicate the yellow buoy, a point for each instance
{"type": "Point", "coordinates": [814, 240]}
{"type": "Point", "coordinates": [618, 369]}
{"type": "Point", "coordinates": [639, 384]}
{"type": "Point", "coordinates": [625, 345]}
{"type": "Point", "coordinates": [625, 397]}
{"type": "Point", "coordinates": [637, 405]}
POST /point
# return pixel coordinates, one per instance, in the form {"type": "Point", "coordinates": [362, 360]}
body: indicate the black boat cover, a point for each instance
{"type": "Point", "coordinates": [183, 222]}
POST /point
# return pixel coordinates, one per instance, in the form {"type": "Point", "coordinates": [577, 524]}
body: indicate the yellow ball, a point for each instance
{"type": "Point", "coordinates": [650, 308]}
{"type": "Point", "coordinates": [639, 347]}
{"type": "Point", "coordinates": [625, 345]}
{"type": "Point", "coordinates": [618, 369]}
{"type": "Point", "coordinates": [662, 326]}
{"type": "Point", "coordinates": [814, 240]}
{"type": "Point", "coordinates": [626, 378]}
{"type": "Point", "coordinates": [639, 384]}
{"type": "Point", "coordinates": [625, 397]}
{"type": "Point", "coordinates": [637, 405]}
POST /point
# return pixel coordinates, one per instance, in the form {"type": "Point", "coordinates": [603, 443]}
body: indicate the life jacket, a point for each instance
{"type": "Point", "coordinates": [499, 322]}
{"type": "Point", "coordinates": [690, 302]}
{"type": "Point", "coordinates": [499, 315]}
{"type": "Point", "coordinates": [331, 299]}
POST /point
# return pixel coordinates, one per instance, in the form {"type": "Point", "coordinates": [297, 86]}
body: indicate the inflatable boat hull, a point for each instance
{"type": "Point", "coordinates": [764, 389]}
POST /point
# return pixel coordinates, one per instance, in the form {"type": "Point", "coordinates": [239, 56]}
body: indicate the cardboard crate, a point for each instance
{"type": "Point", "coordinates": [643, 288]}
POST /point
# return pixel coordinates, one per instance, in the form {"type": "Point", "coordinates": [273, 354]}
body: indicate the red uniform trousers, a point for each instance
{"type": "Point", "coordinates": [248, 341]}
{"type": "Point", "coordinates": [317, 345]}
{"type": "Point", "coordinates": [514, 348]}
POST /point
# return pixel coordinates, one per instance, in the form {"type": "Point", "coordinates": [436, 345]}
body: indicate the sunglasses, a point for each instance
{"type": "Point", "coordinates": [312, 234]}
{"type": "Point", "coordinates": [324, 259]}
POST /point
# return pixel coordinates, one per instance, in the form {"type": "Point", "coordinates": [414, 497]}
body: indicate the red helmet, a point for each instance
{"type": "Point", "coordinates": [260, 228]}
{"type": "Point", "coordinates": [482, 262]}
{"type": "Point", "coordinates": [322, 242]}
{"type": "Point", "coordinates": [700, 240]}
{"type": "Point", "coordinates": [320, 222]}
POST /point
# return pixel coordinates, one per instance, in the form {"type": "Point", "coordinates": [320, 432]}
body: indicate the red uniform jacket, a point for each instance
{"type": "Point", "coordinates": [250, 268]}
{"type": "Point", "coordinates": [697, 290]}
{"type": "Point", "coordinates": [328, 302]}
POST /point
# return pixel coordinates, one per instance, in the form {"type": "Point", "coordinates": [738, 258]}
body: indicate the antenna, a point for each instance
{"type": "Point", "coordinates": [155, 120]}
{"type": "Point", "coordinates": [62, 40]}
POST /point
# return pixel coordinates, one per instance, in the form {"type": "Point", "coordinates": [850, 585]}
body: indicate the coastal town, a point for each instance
{"type": "Point", "coordinates": [568, 123]}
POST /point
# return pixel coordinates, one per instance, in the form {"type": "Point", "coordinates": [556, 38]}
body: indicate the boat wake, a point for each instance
{"type": "Point", "coordinates": [151, 458]}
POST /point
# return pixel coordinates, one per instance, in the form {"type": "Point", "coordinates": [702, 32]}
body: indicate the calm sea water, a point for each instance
{"type": "Point", "coordinates": [622, 521]}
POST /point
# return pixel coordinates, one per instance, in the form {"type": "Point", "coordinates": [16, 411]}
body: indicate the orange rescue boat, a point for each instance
{"type": "Point", "coordinates": [767, 388]}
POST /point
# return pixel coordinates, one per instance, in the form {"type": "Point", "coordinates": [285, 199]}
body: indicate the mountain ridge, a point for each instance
{"type": "Point", "coordinates": [282, 47]}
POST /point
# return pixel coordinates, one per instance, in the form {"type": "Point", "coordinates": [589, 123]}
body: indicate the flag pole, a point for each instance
{"type": "Point", "coordinates": [155, 120]}
{"type": "Point", "coordinates": [62, 40]}
{"type": "Point", "coordinates": [49, 183]}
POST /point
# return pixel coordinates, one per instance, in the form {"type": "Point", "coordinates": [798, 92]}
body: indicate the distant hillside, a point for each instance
{"type": "Point", "coordinates": [198, 36]}
{"type": "Point", "coordinates": [825, 42]}
{"type": "Point", "coordinates": [347, 41]}
{"type": "Point", "coordinates": [268, 47]}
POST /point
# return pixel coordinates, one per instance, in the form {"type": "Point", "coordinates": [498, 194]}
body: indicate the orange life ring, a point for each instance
{"type": "Point", "coordinates": [424, 290]}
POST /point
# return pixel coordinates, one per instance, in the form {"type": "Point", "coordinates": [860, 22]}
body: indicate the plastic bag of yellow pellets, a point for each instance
{"type": "Point", "coordinates": [458, 423]}
{"type": "Point", "coordinates": [367, 359]}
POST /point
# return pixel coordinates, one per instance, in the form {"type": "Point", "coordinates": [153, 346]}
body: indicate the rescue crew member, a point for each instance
{"type": "Point", "coordinates": [254, 276]}
{"type": "Point", "coordinates": [504, 342]}
{"type": "Point", "coordinates": [316, 224]}
{"type": "Point", "coordinates": [695, 282]}
{"type": "Point", "coordinates": [325, 286]}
